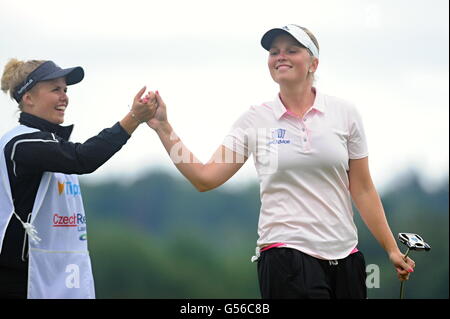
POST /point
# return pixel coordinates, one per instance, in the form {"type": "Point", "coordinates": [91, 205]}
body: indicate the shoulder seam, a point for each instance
{"type": "Point", "coordinates": [54, 140]}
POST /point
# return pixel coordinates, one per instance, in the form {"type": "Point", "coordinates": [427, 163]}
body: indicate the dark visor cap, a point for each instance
{"type": "Point", "coordinates": [48, 71]}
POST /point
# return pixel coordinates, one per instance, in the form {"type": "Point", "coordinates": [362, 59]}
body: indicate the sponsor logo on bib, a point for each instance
{"type": "Point", "coordinates": [69, 188]}
{"type": "Point", "coordinates": [74, 220]}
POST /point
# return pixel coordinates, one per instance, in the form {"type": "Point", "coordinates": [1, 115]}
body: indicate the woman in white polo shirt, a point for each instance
{"type": "Point", "coordinates": [311, 157]}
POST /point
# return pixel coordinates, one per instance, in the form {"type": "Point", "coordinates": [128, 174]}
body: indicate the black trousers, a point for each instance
{"type": "Point", "coordinates": [286, 273]}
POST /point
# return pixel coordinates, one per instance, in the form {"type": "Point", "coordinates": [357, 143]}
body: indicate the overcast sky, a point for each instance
{"type": "Point", "coordinates": [390, 58]}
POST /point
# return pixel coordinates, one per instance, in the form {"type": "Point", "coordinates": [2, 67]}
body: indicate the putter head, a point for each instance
{"type": "Point", "coordinates": [413, 241]}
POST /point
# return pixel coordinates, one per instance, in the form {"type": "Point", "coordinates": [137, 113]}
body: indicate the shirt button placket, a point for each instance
{"type": "Point", "coordinates": [305, 143]}
{"type": "Point", "coordinates": [302, 134]}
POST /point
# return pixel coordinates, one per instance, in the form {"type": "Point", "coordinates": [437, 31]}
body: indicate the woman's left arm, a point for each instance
{"type": "Point", "coordinates": [369, 205]}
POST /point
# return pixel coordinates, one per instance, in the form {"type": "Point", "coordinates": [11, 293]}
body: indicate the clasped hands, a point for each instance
{"type": "Point", "coordinates": [149, 108]}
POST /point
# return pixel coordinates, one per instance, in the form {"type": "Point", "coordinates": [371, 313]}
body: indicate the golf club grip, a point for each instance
{"type": "Point", "coordinates": [403, 282]}
{"type": "Point", "coordinates": [401, 289]}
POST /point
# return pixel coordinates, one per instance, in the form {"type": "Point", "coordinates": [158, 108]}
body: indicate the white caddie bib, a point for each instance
{"type": "Point", "coordinates": [59, 262]}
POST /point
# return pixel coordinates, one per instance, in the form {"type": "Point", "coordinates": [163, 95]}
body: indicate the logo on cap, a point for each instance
{"type": "Point", "coordinates": [24, 87]}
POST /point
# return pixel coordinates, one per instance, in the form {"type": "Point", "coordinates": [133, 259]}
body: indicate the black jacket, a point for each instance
{"type": "Point", "coordinates": [25, 168]}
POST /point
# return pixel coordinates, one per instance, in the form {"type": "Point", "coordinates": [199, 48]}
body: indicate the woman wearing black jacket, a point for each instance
{"type": "Point", "coordinates": [43, 246]}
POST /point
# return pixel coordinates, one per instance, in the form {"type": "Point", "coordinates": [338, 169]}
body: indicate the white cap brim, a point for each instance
{"type": "Point", "coordinates": [295, 31]}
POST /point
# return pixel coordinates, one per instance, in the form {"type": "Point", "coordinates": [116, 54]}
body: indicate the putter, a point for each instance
{"type": "Point", "coordinates": [413, 242]}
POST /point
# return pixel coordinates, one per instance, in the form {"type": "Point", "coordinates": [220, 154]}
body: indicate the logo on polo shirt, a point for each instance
{"type": "Point", "coordinates": [69, 188]}
{"type": "Point", "coordinates": [278, 137]}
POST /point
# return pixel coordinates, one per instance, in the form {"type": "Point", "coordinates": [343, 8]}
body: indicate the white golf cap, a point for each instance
{"type": "Point", "coordinates": [294, 30]}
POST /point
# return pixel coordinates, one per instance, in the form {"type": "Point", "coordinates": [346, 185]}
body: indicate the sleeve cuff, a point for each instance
{"type": "Point", "coordinates": [120, 131]}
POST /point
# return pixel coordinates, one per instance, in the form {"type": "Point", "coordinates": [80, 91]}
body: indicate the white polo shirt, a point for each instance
{"type": "Point", "coordinates": [302, 165]}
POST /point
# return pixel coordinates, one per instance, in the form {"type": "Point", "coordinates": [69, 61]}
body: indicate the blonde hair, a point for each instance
{"type": "Point", "coordinates": [316, 43]}
{"type": "Point", "coordinates": [15, 72]}
{"type": "Point", "coordinates": [311, 35]}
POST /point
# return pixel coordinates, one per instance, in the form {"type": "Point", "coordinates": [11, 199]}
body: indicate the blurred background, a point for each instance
{"type": "Point", "coordinates": [151, 235]}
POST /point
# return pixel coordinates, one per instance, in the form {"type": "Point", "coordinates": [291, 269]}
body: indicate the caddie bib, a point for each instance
{"type": "Point", "coordinates": [59, 262]}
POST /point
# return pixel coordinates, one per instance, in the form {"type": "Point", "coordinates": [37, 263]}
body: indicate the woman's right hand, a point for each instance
{"type": "Point", "coordinates": [141, 111]}
{"type": "Point", "coordinates": [144, 108]}
{"type": "Point", "coordinates": [159, 120]}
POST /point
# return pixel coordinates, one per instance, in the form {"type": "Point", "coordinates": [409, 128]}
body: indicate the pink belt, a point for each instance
{"type": "Point", "coordinates": [272, 246]}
